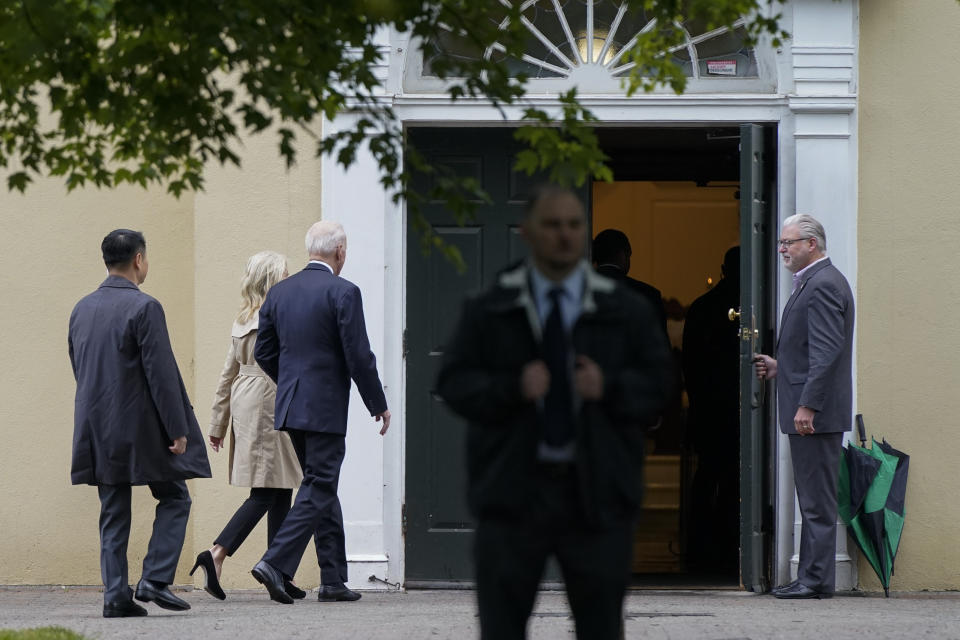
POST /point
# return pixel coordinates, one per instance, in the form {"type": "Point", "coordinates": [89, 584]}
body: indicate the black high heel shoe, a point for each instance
{"type": "Point", "coordinates": [210, 582]}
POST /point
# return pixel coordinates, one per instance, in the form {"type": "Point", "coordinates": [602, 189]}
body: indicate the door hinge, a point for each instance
{"type": "Point", "coordinates": [403, 347]}
{"type": "Point", "coordinates": [403, 520]}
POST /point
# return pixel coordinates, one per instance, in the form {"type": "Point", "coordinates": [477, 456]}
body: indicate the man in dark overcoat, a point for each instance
{"type": "Point", "coordinates": [814, 372]}
{"type": "Point", "coordinates": [133, 425]}
{"type": "Point", "coordinates": [312, 341]}
{"type": "Point", "coordinates": [557, 369]}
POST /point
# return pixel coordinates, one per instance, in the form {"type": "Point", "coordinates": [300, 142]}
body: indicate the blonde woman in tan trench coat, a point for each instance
{"type": "Point", "coordinates": [260, 457]}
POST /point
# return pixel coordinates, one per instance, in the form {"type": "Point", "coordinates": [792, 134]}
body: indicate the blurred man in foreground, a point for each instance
{"type": "Point", "coordinates": [557, 370]}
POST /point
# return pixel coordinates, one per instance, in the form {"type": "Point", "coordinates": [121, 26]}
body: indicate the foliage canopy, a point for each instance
{"type": "Point", "coordinates": [107, 92]}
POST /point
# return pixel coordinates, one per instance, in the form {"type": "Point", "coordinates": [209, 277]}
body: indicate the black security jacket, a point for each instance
{"type": "Point", "coordinates": [498, 333]}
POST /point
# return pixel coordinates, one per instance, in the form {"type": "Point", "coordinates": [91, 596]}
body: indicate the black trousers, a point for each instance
{"type": "Point", "coordinates": [166, 541]}
{"type": "Point", "coordinates": [510, 557]}
{"type": "Point", "coordinates": [816, 467]}
{"type": "Point", "coordinates": [275, 503]}
{"type": "Point", "coordinates": [316, 510]}
{"type": "Point", "coordinates": [714, 532]}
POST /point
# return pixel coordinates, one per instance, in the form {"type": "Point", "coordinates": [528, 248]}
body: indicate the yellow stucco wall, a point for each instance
{"type": "Point", "coordinates": [50, 257]}
{"type": "Point", "coordinates": [50, 253]}
{"type": "Point", "coordinates": [908, 349]}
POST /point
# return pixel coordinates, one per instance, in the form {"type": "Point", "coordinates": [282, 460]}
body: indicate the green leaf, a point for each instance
{"type": "Point", "coordinates": [153, 91]}
{"type": "Point", "coordinates": [18, 181]}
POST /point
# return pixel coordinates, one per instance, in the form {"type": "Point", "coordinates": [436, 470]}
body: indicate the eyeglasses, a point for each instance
{"type": "Point", "coordinates": [786, 243]}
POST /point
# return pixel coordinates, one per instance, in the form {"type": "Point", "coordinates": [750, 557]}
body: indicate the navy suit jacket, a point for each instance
{"type": "Point", "coordinates": [312, 340]}
{"type": "Point", "coordinates": [815, 351]}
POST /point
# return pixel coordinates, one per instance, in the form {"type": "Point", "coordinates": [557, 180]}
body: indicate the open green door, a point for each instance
{"type": "Point", "coordinates": [755, 336]}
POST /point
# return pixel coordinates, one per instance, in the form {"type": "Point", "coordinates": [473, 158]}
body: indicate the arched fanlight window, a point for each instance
{"type": "Point", "coordinates": [585, 42]}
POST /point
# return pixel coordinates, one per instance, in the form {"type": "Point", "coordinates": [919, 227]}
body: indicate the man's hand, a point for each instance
{"type": "Point", "coordinates": [803, 421]}
{"type": "Point", "coordinates": [385, 416]}
{"type": "Point", "coordinates": [588, 378]}
{"type": "Point", "coordinates": [179, 446]}
{"type": "Point", "coordinates": [216, 443]}
{"type": "Point", "coordinates": [534, 380]}
{"type": "Point", "coordinates": [765, 366]}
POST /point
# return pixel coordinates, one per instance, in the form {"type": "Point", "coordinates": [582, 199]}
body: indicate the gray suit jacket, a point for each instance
{"type": "Point", "coordinates": [815, 351]}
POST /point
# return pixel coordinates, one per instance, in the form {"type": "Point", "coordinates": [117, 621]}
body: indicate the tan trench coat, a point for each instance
{"type": "Point", "coordinates": [259, 455]}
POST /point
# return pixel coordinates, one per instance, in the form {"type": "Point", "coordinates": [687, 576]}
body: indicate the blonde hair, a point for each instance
{"type": "Point", "coordinates": [264, 270]}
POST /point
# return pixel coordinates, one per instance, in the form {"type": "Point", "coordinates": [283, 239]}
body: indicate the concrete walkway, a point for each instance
{"type": "Point", "coordinates": [717, 615]}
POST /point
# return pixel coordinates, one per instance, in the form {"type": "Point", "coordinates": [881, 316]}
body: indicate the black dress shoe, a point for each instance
{"type": "Point", "coordinates": [211, 584]}
{"type": "Point", "coordinates": [293, 590]}
{"type": "Point", "coordinates": [123, 609]}
{"type": "Point", "coordinates": [272, 580]}
{"type": "Point", "coordinates": [801, 591]}
{"type": "Point", "coordinates": [159, 594]}
{"type": "Point", "coordinates": [784, 587]}
{"type": "Point", "coordinates": [337, 593]}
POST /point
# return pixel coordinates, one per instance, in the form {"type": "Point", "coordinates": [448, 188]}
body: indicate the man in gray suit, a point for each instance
{"type": "Point", "coordinates": [813, 368]}
{"type": "Point", "coordinates": [133, 425]}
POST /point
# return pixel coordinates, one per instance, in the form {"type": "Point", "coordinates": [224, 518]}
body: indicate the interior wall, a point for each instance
{"type": "Point", "coordinates": [678, 231]}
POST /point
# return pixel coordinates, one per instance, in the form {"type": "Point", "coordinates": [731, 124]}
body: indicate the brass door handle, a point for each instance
{"type": "Point", "coordinates": [733, 315]}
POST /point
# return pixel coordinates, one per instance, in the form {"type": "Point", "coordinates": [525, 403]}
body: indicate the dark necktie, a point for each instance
{"type": "Point", "coordinates": [557, 405]}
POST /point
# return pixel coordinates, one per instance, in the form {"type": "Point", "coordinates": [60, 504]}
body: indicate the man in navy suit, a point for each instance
{"type": "Point", "coordinates": [813, 368]}
{"type": "Point", "coordinates": [312, 341]}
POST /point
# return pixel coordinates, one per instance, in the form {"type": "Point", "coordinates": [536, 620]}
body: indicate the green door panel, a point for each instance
{"type": "Point", "coordinates": [439, 529]}
{"type": "Point", "coordinates": [756, 430]}
{"type": "Point", "coordinates": [437, 525]}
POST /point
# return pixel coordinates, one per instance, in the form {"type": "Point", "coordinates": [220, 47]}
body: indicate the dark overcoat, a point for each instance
{"type": "Point", "coordinates": [498, 333]}
{"type": "Point", "coordinates": [648, 291]}
{"type": "Point", "coordinates": [131, 403]}
{"type": "Point", "coordinates": [312, 341]}
{"type": "Point", "coordinates": [711, 370]}
{"type": "Point", "coordinates": [815, 351]}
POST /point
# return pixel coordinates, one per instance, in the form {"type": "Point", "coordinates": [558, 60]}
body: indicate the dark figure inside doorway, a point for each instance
{"type": "Point", "coordinates": [711, 363]}
{"type": "Point", "coordinates": [611, 258]}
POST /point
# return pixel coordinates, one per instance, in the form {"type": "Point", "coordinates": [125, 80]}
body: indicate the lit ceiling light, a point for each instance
{"type": "Point", "coordinates": [599, 38]}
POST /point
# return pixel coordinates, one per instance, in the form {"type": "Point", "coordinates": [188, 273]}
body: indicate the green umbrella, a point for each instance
{"type": "Point", "coordinates": [871, 494]}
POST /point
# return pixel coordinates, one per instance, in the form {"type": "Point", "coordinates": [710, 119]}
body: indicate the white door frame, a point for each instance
{"type": "Point", "coordinates": [815, 108]}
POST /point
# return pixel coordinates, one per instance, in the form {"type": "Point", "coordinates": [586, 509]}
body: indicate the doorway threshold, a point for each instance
{"type": "Point", "coordinates": [683, 582]}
